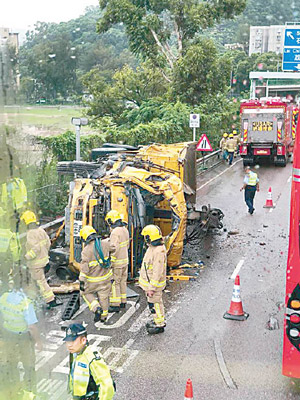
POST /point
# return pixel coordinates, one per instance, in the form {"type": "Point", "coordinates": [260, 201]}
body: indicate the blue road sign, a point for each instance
{"type": "Point", "coordinates": [291, 50]}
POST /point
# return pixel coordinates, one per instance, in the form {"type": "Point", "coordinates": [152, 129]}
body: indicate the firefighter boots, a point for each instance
{"type": "Point", "coordinates": [98, 313]}
{"type": "Point", "coordinates": [153, 329]}
{"type": "Point", "coordinates": [54, 303]}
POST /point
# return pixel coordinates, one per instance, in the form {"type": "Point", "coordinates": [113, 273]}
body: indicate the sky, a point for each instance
{"type": "Point", "coordinates": [22, 14]}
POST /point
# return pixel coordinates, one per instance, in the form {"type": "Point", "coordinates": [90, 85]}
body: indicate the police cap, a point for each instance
{"type": "Point", "coordinates": [74, 331]}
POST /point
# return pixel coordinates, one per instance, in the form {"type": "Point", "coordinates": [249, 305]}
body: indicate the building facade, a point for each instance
{"type": "Point", "coordinates": [264, 39]}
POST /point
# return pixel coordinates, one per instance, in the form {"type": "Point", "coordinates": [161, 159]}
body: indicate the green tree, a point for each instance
{"type": "Point", "coordinates": [160, 30]}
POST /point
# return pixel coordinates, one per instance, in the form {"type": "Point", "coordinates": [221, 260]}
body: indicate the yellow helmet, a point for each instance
{"type": "Point", "coordinates": [225, 135]}
{"type": "Point", "coordinates": [112, 216]}
{"type": "Point", "coordinates": [231, 135]}
{"type": "Point", "coordinates": [151, 233]}
{"type": "Point", "coordinates": [28, 217]}
{"type": "Point", "coordinates": [234, 132]}
{"type": "Point", "coordinates": [86, 231]}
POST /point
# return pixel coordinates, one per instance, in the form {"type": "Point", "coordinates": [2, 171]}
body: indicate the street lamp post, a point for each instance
{"type": "Point", "coordinates": [78, 122]}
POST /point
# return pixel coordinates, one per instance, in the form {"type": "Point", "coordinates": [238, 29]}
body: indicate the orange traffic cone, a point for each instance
{"type": "Point", "coordinates": [269, 201]}
{"type": "Point", "coordinates": [236, 311]}
{"type": "Point", "coordinates": [188, 395]}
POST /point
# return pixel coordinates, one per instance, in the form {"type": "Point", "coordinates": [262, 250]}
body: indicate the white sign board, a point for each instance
{"type": "Point", "coordinates": [194, 120]}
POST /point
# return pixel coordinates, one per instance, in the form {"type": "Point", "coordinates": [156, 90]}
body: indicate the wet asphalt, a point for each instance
{"type": "Point", "coordinates": [225, 359]}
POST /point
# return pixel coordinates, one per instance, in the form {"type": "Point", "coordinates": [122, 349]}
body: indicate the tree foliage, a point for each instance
{"type": "Point", "coordinates": [161, 31]}
{"type": "Point", "coordinates": [55, 56]}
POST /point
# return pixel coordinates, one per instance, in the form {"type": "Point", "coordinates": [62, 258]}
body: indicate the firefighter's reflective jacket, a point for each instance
{"type": "Point", "coordinates": [119, 245]}
{"type": "Point", "coordinates": [91, 269]}
{"type": "Point", "coordinates": [230, 145]}
{"type": "Point", "coordinates": [14, 193]}
{"type": "Point", "coordinates": [37, 247]}
{"type": "Point", "coordinates": [89, 373]}
{"type": "Point", "coordinates": [154, 268]}
{"type": "Point", "coordinates": [9, 243]}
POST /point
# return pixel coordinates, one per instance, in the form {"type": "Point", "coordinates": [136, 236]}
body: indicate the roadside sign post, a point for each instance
{"type": "Point", "coordinates": [291, 49]}
{"type": "Point", "coordinates": [203, 145]}
{"type": "Point", "coordinates": [194, 123]}
{"type": "Point", "coordinates": [78, 122]}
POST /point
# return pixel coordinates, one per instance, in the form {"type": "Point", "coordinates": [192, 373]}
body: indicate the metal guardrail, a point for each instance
{"type": "Point", "coordinates": [208, 162]}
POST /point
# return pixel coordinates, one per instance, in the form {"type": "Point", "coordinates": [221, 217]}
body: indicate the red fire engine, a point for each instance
{"type": "Point", "coordinates": [291, 341]}
{"type": "Point", "coordinates": [267, 130]}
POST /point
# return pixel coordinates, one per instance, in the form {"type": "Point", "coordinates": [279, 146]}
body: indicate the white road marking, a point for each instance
{"type": "Point", "coordinates": [217, 176]}
{"type": "Point", "coordinates": [224, 371]}
{"type": "Point", "coordinates": [140, 321]}
{"type": "Point", "coordinates": [55, 388]}
{"type": "Point", "coordinates": [237, 269]}
{"type": "Point", "coordinates": [118, 354]}
{"type": "Point", "coordinates": [121, 321]}
{"type": "Point", "coordinates": [289, 180]}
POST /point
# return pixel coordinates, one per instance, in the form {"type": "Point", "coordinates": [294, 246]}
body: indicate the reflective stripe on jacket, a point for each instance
{"type": "Point", "coordinates": [37, 246]}
{"type": "Point", "coordinates": [13, 314]}
{"type": "Point", "coordinates": [154, 268]}
{"type": "Point", "coordinates": [90, 269]}
{"type": "Point", "coordinates": [119, 245]}
{"type": "Point", "coordinates": [86, 366]}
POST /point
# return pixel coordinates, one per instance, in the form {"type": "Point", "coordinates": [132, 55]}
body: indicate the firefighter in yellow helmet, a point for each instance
{"type": "Point", "coordinates": [236, 139]}
{"type": "Point", "coordinates": [230, 147]}
{"type": "Point", "coordinates": [89, 376]}
{"type": "Point", "coordinates": [95, 273]}
{"type": "Point", "coordinates": [37, 256]}
{"type": "Point", "coordinates": [153, 276]}
{"type": "Point", "coordinates": [119, 245]}
{"type": "Point", "coordinates": [223, 146]}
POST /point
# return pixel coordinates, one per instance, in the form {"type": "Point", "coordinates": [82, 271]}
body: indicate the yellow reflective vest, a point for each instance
{"type": "Point", "coordinates": [252, 179]}
{"type": "Point", "coordinates": [14, 193]}
{"type": "Point", "coordinates": [86, 367]}
{"type": "Point", "coordinates": [9, 242]}
{"type": "Point", "coordinates": [13, 314]}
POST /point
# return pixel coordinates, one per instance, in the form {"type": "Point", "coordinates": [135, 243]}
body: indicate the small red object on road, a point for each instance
{"type": "Point", "coordinates": [188, 395]}
{"type": "Point", "coordinates": [269, 201]}
{"type": "Point", "coordinates": [236, 311]}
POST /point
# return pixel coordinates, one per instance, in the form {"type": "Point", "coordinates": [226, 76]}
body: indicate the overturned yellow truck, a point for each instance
{"type": "Point", "coordinates": [153, 184]}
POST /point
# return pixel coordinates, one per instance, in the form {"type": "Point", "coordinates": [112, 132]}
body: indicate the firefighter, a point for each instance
{"type": "Point", "coordinates": [20, 335]}
{"type": "Point", "coordinates": [95, 273]}
{"type": "Point", "coordinates": [89, 376]}
{"type": "Point", "coordinates": [119, 245]}
{"type": "Point", "coordinates": [37, 249]}
{"type": "Point", "coordinates": [236, 139]}
{"type": "Point", "coordinates": [223, 146]}
{"type": "Point", "coordinates": [230, 147]}
{"type": "Point", "coordinates": [153, 277]}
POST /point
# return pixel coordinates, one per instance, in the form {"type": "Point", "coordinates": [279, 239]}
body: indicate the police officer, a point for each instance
{"type": "Point", "coordinates": [251, 185]}
{"type": "Point", "coordinates": [230, 147]}
{"type": "Point", "coordinates": [20, 334]}
{"type": "Point", "coordinates": [153, 276]}
{"type": "Point", "coordinates": [10, 252]}
{"type": "Point", "coordinates": [95, 273]}
{"type": "Point", "coordinates": [37, 249]}
{"type": "Point", "coordinates": [89, 376]}
{"type": "Point", "coordinates": [119, 245]}
{"type": "Point", "coordinates": [223, 146]}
